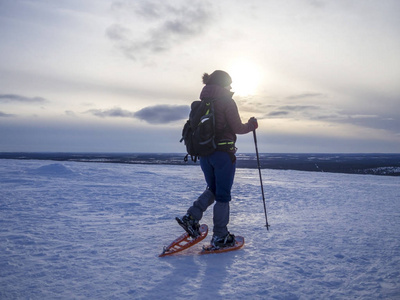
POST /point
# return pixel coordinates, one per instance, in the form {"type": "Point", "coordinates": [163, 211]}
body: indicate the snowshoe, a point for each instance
{"type": "Point", "coordinates": [211, 249]}
{"type": "Point", "coordinates": [184, 241]}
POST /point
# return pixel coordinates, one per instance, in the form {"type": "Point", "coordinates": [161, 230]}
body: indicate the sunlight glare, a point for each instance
{"type": "Point", "coordinates": [246, 78]}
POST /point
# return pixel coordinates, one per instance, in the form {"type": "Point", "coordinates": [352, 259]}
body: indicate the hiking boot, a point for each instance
{"type": "Point", "coordinates": [224, 241]}
{"type": "Point", "coordinates": [190, 224]}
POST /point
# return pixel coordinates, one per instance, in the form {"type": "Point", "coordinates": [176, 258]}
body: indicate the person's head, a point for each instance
{"type": "Point", "coordinates": [218, 77]}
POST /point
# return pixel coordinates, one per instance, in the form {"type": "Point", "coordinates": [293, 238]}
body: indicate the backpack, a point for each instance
{"type": "Point", "coordinates": [198, 133]}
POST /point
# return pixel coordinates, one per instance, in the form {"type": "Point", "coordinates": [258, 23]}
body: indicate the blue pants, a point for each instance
{"type": "Point", "coordinates": [219, 172]}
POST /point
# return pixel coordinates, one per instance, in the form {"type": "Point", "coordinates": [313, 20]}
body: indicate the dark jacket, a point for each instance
{"type": "Point", "coordinates": [227, 118]}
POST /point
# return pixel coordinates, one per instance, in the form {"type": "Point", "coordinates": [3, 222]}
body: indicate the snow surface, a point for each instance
{"type": "Point", "coordinates": [92, 230]}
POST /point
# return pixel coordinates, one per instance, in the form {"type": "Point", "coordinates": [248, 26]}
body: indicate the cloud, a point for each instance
{"type": "Point", "coordinates": [5, 115]}
{"type": "Point", "coordinates": [277, 113]}
{"type": "Point", "coordinates": [332, 115]}
{"type": "Point", "coordinates": [113, 112]}
{"type": "Point", "coordinates": [163, 26]}
{"type": "Point", "coordinates": [317, 3]}
{"type": "Point", "coordinates": [304, 96]}
{"type": "Point", "coordinates": [158, 114]}
{"type": "Point", "coordinates": [381, 122]}
{"type": "Point", "coordinates": [69, 113]}
{"type": "Point", "coordinates": [298, 107]}
{"type": "Point", "coordinates": [7, 98]}
{"type": "Point", "coordinates": [162, 114]}
{"type": "Point", "coordinates": [312, 106]}
{"type": "Point", "coordinates": [117, 32]}
{"type": "Point", "coordinates": [290, 111]}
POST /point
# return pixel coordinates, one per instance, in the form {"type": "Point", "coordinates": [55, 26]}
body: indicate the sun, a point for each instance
{"type": "Point", "coordinates": [246, 78]}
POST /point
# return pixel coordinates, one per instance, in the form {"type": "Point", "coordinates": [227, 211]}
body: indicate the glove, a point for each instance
{"type": "Point", "coordinates": [253, 123]}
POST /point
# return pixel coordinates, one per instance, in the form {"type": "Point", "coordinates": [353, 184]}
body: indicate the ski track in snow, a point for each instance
{"type": "Point", "coordinates": [89, 230]}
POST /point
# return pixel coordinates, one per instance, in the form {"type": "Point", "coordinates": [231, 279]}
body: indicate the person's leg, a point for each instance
{"type": "Point", "coordinates": [208, 170]}
{"type": "Point", "coordinates": [190, 221]}
{"type": "Point", "coordinates": [201, 204]}
{"type": "Point", "coordinates": [221, 219]}
{"type": "Point", "coordinates": [224, 172]}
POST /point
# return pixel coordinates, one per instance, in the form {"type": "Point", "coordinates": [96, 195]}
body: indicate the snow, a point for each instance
{"type": "Point", "coordinates": [73, 230]}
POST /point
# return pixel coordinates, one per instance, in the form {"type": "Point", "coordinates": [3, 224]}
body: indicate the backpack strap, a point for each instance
{"type": "Point", "coordinates": [192, 157]}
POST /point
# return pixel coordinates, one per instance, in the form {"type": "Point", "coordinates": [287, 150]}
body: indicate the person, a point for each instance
{"type": "Point", "coordinates": [218, 167]}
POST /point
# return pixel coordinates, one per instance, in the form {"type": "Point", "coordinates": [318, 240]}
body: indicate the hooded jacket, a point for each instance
{"type": "Point", "coordinates": [227, 118]}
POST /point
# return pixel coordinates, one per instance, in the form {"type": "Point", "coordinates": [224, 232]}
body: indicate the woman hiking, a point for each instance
{"type": "Point", "coordinates": [218, 167]}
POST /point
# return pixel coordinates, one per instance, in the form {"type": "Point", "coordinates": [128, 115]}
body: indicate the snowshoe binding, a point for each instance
{"type": "Point", "coordinates": [222, 242]}
{"type": "Point", "coordinates": [190, 225]}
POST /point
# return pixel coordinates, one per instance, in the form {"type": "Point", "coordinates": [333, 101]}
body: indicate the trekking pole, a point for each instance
{"type": "Point", "coordinates": [259, 171]}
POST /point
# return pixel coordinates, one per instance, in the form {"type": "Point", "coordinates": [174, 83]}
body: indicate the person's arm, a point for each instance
{"type": "Point", "coordinates": [235, 123]}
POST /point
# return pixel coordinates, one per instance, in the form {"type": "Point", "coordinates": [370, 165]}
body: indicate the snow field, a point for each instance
{"type": "Point", "coordinates": [73, 230]}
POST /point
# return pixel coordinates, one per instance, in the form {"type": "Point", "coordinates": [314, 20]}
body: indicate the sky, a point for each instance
{"type": "Point", "coordinates": [119, 76]}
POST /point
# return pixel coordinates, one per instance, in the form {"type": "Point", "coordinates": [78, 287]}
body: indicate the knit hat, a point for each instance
{"type": "Point", "coordinates": [217, 77]}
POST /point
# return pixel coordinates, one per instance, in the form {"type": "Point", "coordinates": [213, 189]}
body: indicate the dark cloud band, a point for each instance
{"type": "Point", "coordinates": [158, 114]}
{"type": "Point", "coordinates": [5, 115]}
{"type": "Point", "coordinates": [5, 98]}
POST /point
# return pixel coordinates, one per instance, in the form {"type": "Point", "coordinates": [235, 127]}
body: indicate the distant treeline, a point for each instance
{"type": "Point", "coordinates": [375, 164]}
